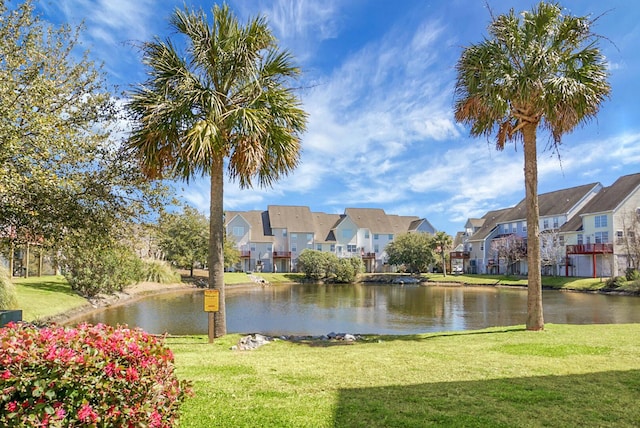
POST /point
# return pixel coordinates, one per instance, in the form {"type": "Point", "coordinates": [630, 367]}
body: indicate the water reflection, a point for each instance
{"type": "Point", "coordinates": [384, 309]}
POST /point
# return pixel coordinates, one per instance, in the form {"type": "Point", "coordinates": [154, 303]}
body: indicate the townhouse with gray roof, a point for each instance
{"type": "Point", "coordinates": [272, 240]}
{"type": "Point", "coordinates": [597, 239]}
{"type": "Point", "coordinates": [577, 230]}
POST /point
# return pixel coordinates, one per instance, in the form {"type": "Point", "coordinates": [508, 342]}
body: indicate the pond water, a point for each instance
{"type": "Point", "coordinates": [364, 309]}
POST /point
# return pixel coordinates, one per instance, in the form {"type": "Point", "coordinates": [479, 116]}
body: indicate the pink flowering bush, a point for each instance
{"type": "Point", "coordinates": [96, 376]}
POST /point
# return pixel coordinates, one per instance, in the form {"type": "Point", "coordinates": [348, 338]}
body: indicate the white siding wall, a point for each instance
{"type": "Point", "coordinates": [242, 241]}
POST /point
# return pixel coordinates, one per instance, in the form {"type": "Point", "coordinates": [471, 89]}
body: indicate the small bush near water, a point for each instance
{"type": "Point", "coordinates": [633, 274]}
{"type": "Point", "coordinates": [160, 272]}
{"type": "Point", "coordinates": [102, 269]}
{"type": "Point", "coordinates": [86, 376]}
{"type": "Point", "coordinates": [615, 282]}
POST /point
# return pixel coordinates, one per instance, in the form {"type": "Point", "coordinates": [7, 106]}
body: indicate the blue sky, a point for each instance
{"type": "Point", "coordinates": [379, 79]}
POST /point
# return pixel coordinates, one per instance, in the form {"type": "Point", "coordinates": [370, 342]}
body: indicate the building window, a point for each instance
{"type": "Point", "coordinates": [545, 223]}
{"type": "Point", "coordinates": [294, 247]}
{"type": "Point", "coordinates": [561, 240]}
{"type": "Point", "coordinates": [514, 227]}
{"type": "Point", "coordinates": [376, 236]}
{"type": "Point", "coordinates": [524, 226]}
{"type": "Point", "coordinates": [309, 237]}
{"type": "Point", "coordinates": [376, 248]}
{"type": "Point", "coordinates": [294, 236]}
{"type": "Point", "coordinates": [555, 223]}
{"type": "Point", "coordinates": [619, 237]}
{"type": "Point", "coordinates": [253, 248]}
{"type": "Point", "coordinates": [238, 231]}
{"type": "Point", "coordinates": [284, 232]}
{"type": "Point", "coordinates": [580, 239]}
{"type": "Point", "coordinates": [601, 221]}
{"type": "Point", "coordinates": [351, 248]}
{"type": "Point", "coordinates": [390, 237]}
{"type": "Point", "coordinates": [366, 234]}
{"type": "Point", "coordinates": [332, 248]}
{"type": "Point", "coordinates": [602, 237]}
{"type": "Point", "coordinates": [319, 247]}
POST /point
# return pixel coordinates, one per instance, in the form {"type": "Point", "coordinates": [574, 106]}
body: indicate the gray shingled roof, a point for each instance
{"type": "Point", "coordinates": [552, 203]}
{"type": "Point", "coordinates": [491, 219]}
{"type": "Point", "coordinates": [259, 222]}
{"type": "Point", "coordinates": [402, 224]}
{"type": "Point", "coordinates": [475, 222]}
{"type": "Point", "coordinates": [607, 199]}
{"type": "Point", "coordinates": [415, 224]}
{"type": "Point", "coordinates": [373, 219]}
{"type": "Point", "coordinates": [324, 225]}
{"type": "Point", "coordinates": [296, 219]}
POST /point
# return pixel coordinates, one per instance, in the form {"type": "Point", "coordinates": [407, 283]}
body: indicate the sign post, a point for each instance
{"type": "Point", "coordinates": [211, 305]}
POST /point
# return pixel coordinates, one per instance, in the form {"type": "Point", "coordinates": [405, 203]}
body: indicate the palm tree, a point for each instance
{"type": "Point", "coordinates": [538, 69]}
{"type": "Point", "coordinates": [442, 242]}
{"type": "Point", "coordinates": [223, 102]}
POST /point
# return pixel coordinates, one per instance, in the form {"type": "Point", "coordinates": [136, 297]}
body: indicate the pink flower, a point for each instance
{"type": "Point", "coordinates": [132, 374]}
{"type": "Point", "coordinates": [6, 374]}
{"type": "Point", "coordinates": [155, 419]}
{"type": "Point", "coordinates": [60, 413]}
{"type": "Point", "coordinates": [110, 369]}
{"type": "Point", "coordinates": [12, 406]}
{"type": "Point", "coordinates": [86, 413]}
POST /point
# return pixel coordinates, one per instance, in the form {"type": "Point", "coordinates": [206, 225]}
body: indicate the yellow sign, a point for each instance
{"type": "Point", "coordinates": [211, 300]}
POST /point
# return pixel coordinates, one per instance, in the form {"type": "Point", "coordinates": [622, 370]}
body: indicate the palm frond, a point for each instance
{"type": "Point", "coordinates": [539, 67]}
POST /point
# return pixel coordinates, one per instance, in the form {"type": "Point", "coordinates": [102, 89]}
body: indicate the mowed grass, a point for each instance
{"type": "Point", "coordinates": [566, 375]}
{"type": "Point", "coordinates": [555, 282]}
{"type": "Point", "coordinates": [45, 296]}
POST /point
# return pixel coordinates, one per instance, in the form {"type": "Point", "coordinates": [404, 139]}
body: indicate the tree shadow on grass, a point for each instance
{"type": "Point", "coordinates": [594, 399]}
{"type": "Point", "coordinates": [51, 286]}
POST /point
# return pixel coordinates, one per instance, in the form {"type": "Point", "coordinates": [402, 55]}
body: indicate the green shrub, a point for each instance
{"type": "Point", "coordinates": [348, 269]}
{"type": "Point", "coordinates": [317, 264]}
{"type": "Point", "coordinates": [615, 282]}
{"type": "Point", "coordinates": [8, 297]}
{"type": "Point", "coordinates": [632, 274]}
{"type": "Point", "coordinates": [160, 272]}
{"type": "Point", "coordinates": [345, 272]}
{"type": "Point", "coordinates": [86, 376]}
{"type": "Point", "coordinates": [103, 268]}
{"type": "Point", "coordinates": [634, 286]}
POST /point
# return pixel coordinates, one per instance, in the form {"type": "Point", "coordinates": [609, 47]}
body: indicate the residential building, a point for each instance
{"type": "Point", "coordinates": [577, 230]}
{"type": "Point", "coordinates": [272, 240]}
{"type": "Point", "coordinates": [601, 239]}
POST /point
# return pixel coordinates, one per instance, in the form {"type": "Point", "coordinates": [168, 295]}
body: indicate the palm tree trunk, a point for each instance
{"type": "Point", "coordinates": [444, 266]}
{"type": "Point", "coordinates": [534, 280]}
{"type": "Point", "coordinates": [216, 242]}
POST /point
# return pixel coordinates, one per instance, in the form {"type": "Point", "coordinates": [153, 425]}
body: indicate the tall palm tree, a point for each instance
{"type": "Point", "coordinates": [538, 69]}
{"type": "Point", "coordinates": [222, 104]}
{"type": "Point", "coordinates": [442, 242]}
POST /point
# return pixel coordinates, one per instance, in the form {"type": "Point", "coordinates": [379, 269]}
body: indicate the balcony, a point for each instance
{"type": "Point", "coordinates": [368, 255]}
{"type": "Point", "coordinates": [459, 255]}
{"type": "Point", "coordinates": [282, 254]}
{"type": "Point", "coordinates": [590, 249]}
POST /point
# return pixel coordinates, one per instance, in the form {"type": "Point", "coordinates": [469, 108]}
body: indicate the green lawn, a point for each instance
{"type": "Point", "coordinates": [556, 282]}
{"type": "Point", "coordinates": [42, 297]}
{"type": "Point", "coordinates": [567, 375]}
